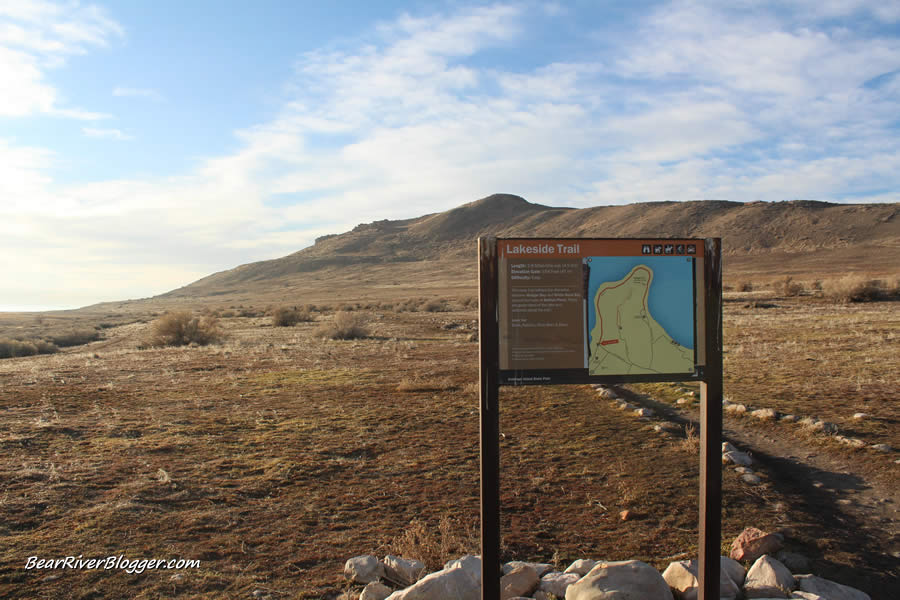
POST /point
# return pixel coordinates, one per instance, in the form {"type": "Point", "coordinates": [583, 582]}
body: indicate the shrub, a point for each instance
{"type": "Point", "coordinates": [435, 545]}
{"type": "Point", "coordinates": [76, 338]}
{"type": "Point", "coordinates": [181, 328]}
{"type": "Point", "coordinates": [44, 347]}
{"type": "Point", "coordinates": [436, 305]}
{"type": "Point", "coordinates": [745, 286]}
{"type": "Point", "coordinates": [286, 316]}
{"type": "Point", "coordinates": [856, 288]}
{"type": "Point", "coordinates": [789, 287]}
{"type": "Point", "coordinates": [345, 326]}
{"type": "Point", "coordinates": [14, 348]}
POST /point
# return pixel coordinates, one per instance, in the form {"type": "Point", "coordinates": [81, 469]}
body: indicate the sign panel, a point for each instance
{"type": "Point", "coordinates": [573, 310]}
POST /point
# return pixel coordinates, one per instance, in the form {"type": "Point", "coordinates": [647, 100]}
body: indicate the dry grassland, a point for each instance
{"type": "Point", "coordinates": [277, 454]}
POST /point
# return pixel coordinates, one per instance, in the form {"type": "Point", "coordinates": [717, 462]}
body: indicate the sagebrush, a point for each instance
{"type": "Point", "coordinates": [345, 326]}
{"type": "Point", "coordinates": [288, 316]}
{"type": "Point", "coordinates": [181, 328]}
{"type": "Point", "coordinates": [15, 348]}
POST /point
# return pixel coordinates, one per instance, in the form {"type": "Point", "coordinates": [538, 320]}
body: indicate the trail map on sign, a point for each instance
{"type": "Point", "coordinates": [626, 337]}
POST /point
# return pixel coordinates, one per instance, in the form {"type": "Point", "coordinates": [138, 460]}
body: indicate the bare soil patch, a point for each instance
{"type": "Point", "coordinates": [276, 455]}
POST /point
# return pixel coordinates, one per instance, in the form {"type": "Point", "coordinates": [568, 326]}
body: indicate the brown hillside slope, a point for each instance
{"type": "Point", "coordinates": [760, 239]}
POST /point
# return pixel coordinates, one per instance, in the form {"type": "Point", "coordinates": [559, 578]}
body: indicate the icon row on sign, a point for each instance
{"type": "Point", "coordinates": [669, 249]}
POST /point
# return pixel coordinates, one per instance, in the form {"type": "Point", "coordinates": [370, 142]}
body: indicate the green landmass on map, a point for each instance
{"type": "Point", "coordinates": [626, 338]}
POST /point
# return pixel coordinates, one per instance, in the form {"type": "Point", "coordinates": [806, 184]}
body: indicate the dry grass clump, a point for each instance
{"type": "Point", "coordinates": [436, 545]}
{"type": "Point", "coordinates": [789, 287]}
{"type": "Point", "coordinates": [181, 328]}
{"type": "Point", "coordinates": [745, 286]}
{"type": "Point", "coordinates": [15, 348]}
{"type": "Point", "coordinates": [418, 384]}
{"type": "Point", "coordinates": [424, 305]}
{"type": "Point", "coordinates": [345, 326]}
{"type": "Point", "coordinates": [76, 338]}
{"type": "Point", "coordinates": [436, 305]}
{"type": "Point", "coordinates": [287, 316]}
{"type": "Point", "coordinates": [691, 441]}
{"type": "Point", "coordinates": [857, 288]}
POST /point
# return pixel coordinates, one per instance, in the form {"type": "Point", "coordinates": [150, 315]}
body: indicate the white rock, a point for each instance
{"type": "Point", "coordinates": [796, 563]}
{"type": "Point", "coordinates": [682, 577]}
{"type": "Point", "coordinates": [582, 566]}
{"type": "Point", "coordinates": [751, 479]}
{"type": "Point", "coordinates": [737, 409]}
{"type": "Point", "coordinates": [627, 406]}
{"type": "Point", "coordinates": [738, 458]}
{"type": "Point", "coordinates": [375, 591]}
{"type": "Point", "coordinates": [622, 580]}
{"type": "Point", "coordinates": [743, 470]}
{"type": "Point", "coordinates": [557, 583]}
{"type": "Point", "coordinates": [881, 447]}
{"type": "Point", "coordinates": [521, 581]}
{"type": "Point", "coordinates": [363, 569]}
{"type": "Point", "coordinates": [829, 589]}
{"type": "Point", "coordinates": [541, 568]}
{"type": "Point", "coordinates": [788, 418]}
{"type": "Point", "coordinates": [817, 425]}
{"type": "Point", "coordinates": [643, 412]}
{"type": "Point", "coordinates": [852, 442]}
{"type": "Point", "coordinates": [860, 416]}
{"type": "Point", "coordinates": [402, 571]}
{"type": "Point", "coordinates": [734, 569]}
{"type": "Point", "coordinates": [682, 401]}
{"type": "Point", "coordinates": [468, 563]}
{"type": "Point", "coordinates": [667, 427]}
{"type": "Point", "coordinates": [768, 578]}
{"type": "Point", "coordinates": [455, 583]}
{"type": "Point", "coordinates": [807, 596]}
{"type": "Point", "coordinates": [728, 447]}
{"type": "Point", "coordinates": [767, 414]}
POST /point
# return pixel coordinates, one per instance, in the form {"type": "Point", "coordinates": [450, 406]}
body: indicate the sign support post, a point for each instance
{"type": "Point", "coordinates": [711, 428]}
{"type": "Point", "coordinates": [489, 392]}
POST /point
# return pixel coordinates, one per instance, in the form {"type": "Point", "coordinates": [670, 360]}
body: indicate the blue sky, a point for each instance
{"type": "Point", "coordinates": [144, 145]}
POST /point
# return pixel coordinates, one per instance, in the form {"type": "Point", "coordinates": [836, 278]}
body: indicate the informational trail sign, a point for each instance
{"type": "Point", "coordinates": [574, 310]}
{"type": "Point", "coordinates": [607, 311]}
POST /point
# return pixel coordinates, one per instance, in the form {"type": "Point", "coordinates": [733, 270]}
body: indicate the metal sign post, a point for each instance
{"type": "Point", "coordinates": [544, 319]}
{"type": "Point", "coordinates": [489, 392]}
{"type": "Point", "coordinates": [711, 429]}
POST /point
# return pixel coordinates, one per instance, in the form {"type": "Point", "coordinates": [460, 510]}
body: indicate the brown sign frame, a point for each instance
{"type": "Point", "coordinates": [709, 376]}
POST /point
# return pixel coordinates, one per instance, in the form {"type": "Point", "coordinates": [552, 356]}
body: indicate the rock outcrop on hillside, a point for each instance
{"type": "Point", "coordinates": [806, 232]}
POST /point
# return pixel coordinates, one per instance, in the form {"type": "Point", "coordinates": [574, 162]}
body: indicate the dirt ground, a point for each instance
{"type": "Point", "coordinates": [275, 455]}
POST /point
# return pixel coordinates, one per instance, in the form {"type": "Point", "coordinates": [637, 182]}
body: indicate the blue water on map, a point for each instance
{"type": "Point", "coordinates": [671, 297]}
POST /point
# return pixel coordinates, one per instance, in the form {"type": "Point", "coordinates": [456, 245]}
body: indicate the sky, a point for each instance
{"type": "Point", "coordinates": [144, 145]}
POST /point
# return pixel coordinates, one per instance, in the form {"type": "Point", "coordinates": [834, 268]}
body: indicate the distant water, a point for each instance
{"type": "Point", "coordinates": [31, 308]}
{"type": "Point", "coordinates": [671, 299]}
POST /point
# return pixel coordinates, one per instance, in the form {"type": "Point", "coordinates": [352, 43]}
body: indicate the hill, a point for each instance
{"type": "Point", "coordinates": [801, 238]}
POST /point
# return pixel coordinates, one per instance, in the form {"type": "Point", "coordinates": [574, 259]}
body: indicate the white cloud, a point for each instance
{"type": "Point", "coordinates": [112, 134]}
{"type": "Point", "coordinates": [36, 36]}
